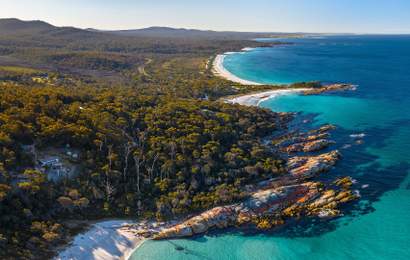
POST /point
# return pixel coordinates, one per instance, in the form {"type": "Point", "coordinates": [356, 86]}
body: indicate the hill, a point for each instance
{"type": "Point", "coordinates": [13, 26]}
{"type": "Point", "coordinates": [107, 54]}
{"type": "Point", "coordinates": [168, 32]}
{"type": "Point", "coordinates": [16, 26]}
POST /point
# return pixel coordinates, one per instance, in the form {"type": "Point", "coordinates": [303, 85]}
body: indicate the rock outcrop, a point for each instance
{"type": "Point", "coordinates": [311, 141]}
{"type": "Point", "coordinates": [266, 209]}
{"type": "Point", "coordinates": [308, 146]}
{"type": "Point", "coordinates": [327, 88]}
{"type": "Point", "coordinates": [345, 182]}
{"type": "Point", "coordinates": [308, 166]}
{"type": "Point", "coordinates": [272, 201]}
{"type": "Point", "coordinates": [324, 129]}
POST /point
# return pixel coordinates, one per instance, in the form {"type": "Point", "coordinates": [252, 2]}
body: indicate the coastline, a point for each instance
{"type": "Point", "coordinates": [113, 239]}
{"type": "Point", "coordinates": [119, 239]}
{"type": "Point", "coordinates": [219, 70]}
{"type": "Point", "coordinates": [255, 99]}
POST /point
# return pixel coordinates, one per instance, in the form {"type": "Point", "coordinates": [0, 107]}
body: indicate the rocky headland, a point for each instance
{"type": "Point", "coordinates": [273, 202]}
{"type": "Point", "coordinates": [310, 88]}
{"type": "Point", "coordinates": [329, 88]}
{"type": "Point", "coordinates": [268, 204]}
{"type": "Point", "coordinates": [311, 141]}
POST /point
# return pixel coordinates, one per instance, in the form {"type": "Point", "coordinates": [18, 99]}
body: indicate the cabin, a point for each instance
{"type": "Point", "coordinates": [48, 162]}
{"type": "Point", "coordinates": [53, 168]}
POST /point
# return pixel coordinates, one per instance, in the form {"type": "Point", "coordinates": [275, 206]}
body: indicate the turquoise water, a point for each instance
{"type": "Point", "coordinates": [378, 227]}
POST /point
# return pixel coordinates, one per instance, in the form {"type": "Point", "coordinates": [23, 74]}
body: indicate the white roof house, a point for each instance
{"type": "Point", "coordinates": [49, 161]}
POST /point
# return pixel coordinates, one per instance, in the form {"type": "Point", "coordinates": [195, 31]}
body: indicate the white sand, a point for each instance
{"type": "Point", "coordinates": [111, 240]}
{"type": "Point", "coordinates": [104, 241]}
{"type": "Point", "coordinates": [220, 70]}
{"type": "Point", "coordinates": [256, 98]}
{"type": "Point", "coordinates": [250, 99]}
{"type": "Point", "coordinates": [248, 49]}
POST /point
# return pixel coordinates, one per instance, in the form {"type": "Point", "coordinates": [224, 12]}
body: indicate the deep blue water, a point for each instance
{"type": "Point", "coordinates": [377, 227]}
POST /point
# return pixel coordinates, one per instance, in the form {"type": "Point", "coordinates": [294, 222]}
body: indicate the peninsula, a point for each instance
{"type": "Point", "coordinates": [146, 136]}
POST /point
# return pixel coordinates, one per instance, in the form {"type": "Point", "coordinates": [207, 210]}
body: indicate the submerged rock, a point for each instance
{"type": "Point", "coordinates": [358, 136]}
{"type": "Point", "coordinates": [345, 182]}
{"type": "Point", "coordinates": [324, 129]}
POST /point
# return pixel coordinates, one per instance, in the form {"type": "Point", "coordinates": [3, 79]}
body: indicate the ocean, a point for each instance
{"type": "Point", "coordinates": [378, 113]}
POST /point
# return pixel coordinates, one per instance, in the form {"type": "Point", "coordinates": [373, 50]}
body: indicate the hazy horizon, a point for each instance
{"type": "Point", "coordinates": [204, 29]}
{"type": "Point", "coordinates": [322, 16]}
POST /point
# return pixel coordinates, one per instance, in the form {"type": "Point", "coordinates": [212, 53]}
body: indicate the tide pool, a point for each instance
{"type": "Point", "coordinates": [377, 227]}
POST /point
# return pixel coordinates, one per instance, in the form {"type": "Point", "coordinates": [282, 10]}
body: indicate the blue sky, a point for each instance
{"type": "Point", "coordinates": [355, 16]}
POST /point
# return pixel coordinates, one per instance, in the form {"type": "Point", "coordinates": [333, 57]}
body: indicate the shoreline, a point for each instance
{"type": "Point", "coordinates": [110, 239]}
{"type": "Point", "coordinates": [119, 239]}
{"type": "Point", "coordinates": [219, 70]}
{"type": "Point", "coordinates": [254, 99]}
{"type": "Point", "coordinates": [113, 239]}
{"type": "Point", "coordinates": [129, 253]}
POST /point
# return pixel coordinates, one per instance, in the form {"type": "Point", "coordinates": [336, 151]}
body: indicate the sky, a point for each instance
{"type": "Point", "coordinates": [322, 16]}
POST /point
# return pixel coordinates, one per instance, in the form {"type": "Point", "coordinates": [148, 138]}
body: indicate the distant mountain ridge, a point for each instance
{"type": "Point", "coordinates": [13, 26]}
{"type": "Point", "coordinates": [169, 32]}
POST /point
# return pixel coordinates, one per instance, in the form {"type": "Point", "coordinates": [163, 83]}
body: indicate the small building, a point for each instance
{"type": "Point", "coordinates": [49, 162]}
{"type": "Point", "coordinates": [53, 167]}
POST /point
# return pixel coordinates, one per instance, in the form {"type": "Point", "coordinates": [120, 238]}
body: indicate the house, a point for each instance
{"type": "Point", "coordinates": [53, 167]}
{"type": "Point", "coordinates": [48, 162]}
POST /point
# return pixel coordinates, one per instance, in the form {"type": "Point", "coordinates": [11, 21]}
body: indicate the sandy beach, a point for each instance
{"type": "Point", "coordinates": [220, 70]}
{"type": "Point", "coordinates": [250, 99]}
{"type": "Point", "coordinates": [256, 98]}
{"type": "Point", "coordinates": [108, 240]}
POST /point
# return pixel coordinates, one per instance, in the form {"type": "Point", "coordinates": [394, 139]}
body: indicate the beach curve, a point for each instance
{"type": "Point", "coordinates": [255, 99]}
{"type": "Point", "coordinates": [114, 239]}
{"type": "Point", "coordinates": [221, 71]}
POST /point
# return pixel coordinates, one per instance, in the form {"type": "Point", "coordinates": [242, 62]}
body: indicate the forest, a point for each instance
{"type": "Point", "coordinates": [151, 138]}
